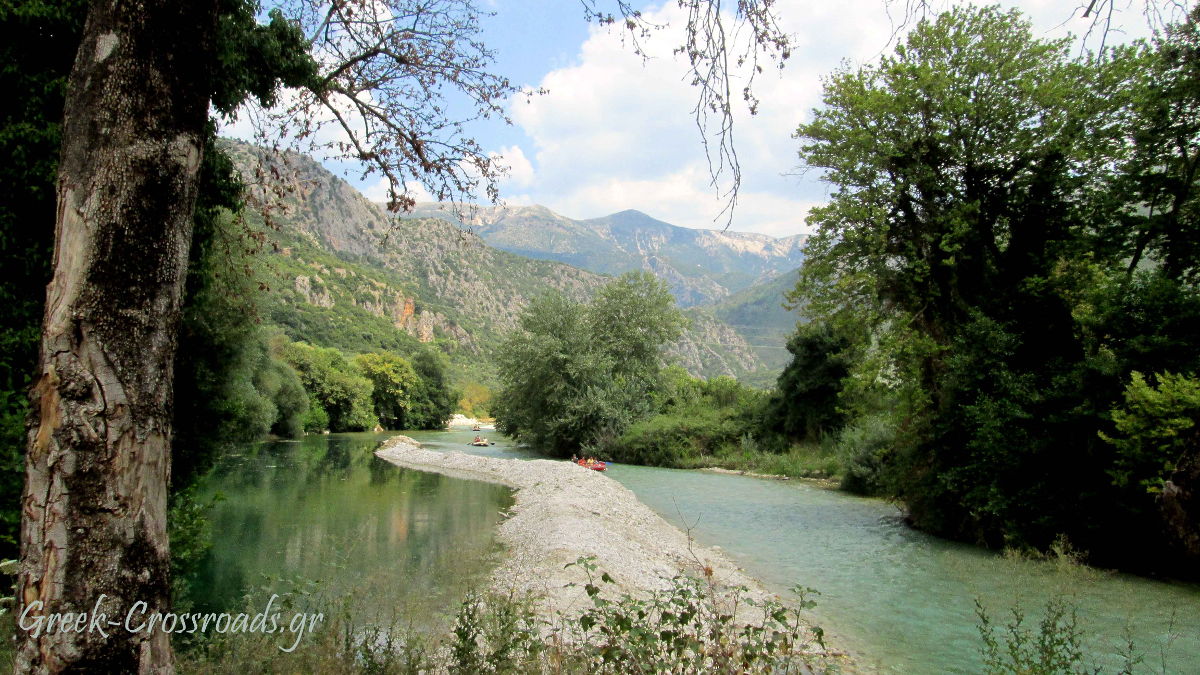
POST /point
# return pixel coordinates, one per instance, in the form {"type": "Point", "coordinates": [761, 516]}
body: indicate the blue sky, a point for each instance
{"type": "Point", "coordinates": [615, 132]}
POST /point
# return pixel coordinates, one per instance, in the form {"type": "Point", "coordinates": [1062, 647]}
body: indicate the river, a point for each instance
{"type": "Point", "coordinates": [902, 601]}
{"type": "Point", "coordinates": [326, 518]}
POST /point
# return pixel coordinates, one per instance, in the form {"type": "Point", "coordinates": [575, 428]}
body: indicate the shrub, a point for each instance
{"type": "Point", "coordinates": [863, 448]}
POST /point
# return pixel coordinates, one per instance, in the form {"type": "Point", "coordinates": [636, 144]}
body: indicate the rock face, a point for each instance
{"type": "Point", "coordinates": [701, 266]}
{"type": "Point", "coordinates": [319, 297]}
{"type": "Point", "coordinates": [712, 347]}
{"type": "Point", "coordinates": [427, 277]}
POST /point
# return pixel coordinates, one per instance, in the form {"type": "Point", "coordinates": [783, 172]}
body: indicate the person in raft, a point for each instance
{"type": "Point", "coordinates": [477, 439]}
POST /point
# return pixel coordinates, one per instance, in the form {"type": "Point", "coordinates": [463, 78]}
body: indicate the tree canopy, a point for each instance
{"type": "Point", "coordinates": [574, 376]}
{"type": "Point", "coordinates": [1004, 217]}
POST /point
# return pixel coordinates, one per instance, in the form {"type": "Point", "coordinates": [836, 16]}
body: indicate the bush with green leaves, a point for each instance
{"type": "Point", "coordinates": [698, 419]}
{"type": "Point", "coordinates": [1158, 425]}
{"type": "Point", "coordinates": [335, 385]}
{"type": "Point", "coordinates": [575, 376]}
{"type": "Point", "coordinates": [1156, 440]}
{"type": "Point", "coordinates": [863, 448]}
{"type": "Point", "coordinates": [393, 385]}
{"type": "Point", "coordinates": [495, 633]}
{"type": "Point", "coordinates": [1055, 647]}
{"type": "Point", "coordinates": [691, 626]}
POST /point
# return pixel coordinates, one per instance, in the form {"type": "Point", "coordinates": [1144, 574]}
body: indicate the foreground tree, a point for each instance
{"type": "Point", "coordinates": [98, 456]}
{"type": "Point", "coordinates": [968, 168]}
{"type": "Point", "coordinates": [1016, 229]}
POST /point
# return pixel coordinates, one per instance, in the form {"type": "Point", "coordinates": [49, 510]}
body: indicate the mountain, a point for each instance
{"type": "Point", "coordinates": [344, 273]}
{"type": "Point", "coordinates": [757, 315]}
{"type": "Point", "coordinates": [701, 266]}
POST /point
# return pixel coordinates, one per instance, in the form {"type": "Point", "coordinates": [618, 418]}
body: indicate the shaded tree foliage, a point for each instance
{"type": "Point", "coordinates": [1014, 227]}
{"type": "Point", "coordinates": [805, 403]}
{"type": "Point", "coordinates": [37, 46]}
{"type": "Point", "coordinates": [433, 398]}
{"type": "Point", "coordinates": [334, 384]}
{"type": "Point", "coordinates": [393, 384]}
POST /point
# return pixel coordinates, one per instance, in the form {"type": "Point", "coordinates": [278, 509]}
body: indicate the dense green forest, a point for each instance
{"type": "Point", "coordinates": [1011, 246]}
{"type": "Point", "coordinates": [1001, 318]}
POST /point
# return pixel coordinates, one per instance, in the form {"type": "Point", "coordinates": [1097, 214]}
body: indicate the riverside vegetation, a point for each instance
{"type": "Point", "coordinates": [688, 627]}
{"type": "Point", "coordinates": [1000, 308]}
{"type": "Point", "coordinates": [1000, 302]}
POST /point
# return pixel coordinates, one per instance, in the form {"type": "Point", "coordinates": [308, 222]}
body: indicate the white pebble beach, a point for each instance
{"type": "Point", "coordinates": [563, 512]}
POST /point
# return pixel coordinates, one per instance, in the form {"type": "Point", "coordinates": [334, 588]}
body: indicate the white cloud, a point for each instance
{"type": "Point", "coordinates": [616, 132]}
{"type": "Point", "coordinates": [520, 171]}
{"type": "Point", "coordinates": [378, 191]}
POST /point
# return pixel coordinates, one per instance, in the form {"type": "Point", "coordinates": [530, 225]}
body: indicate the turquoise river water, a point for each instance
{"type": "Point", "coordinates": [324, 509]}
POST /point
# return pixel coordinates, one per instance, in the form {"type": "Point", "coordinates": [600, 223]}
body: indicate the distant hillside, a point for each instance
{"type": "Point", "coordinates": [346, 275]}
{"type": "Point", "coordinates": [757, 314]}
{"type": "Point", "coordinates": [701, 266]}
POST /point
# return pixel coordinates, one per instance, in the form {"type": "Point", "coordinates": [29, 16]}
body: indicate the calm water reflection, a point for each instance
{"type": "Point", "coordinates": [326, 514]}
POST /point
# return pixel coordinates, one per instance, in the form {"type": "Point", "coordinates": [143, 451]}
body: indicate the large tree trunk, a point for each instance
{"type": "Point", "coordinates": [94, 530]}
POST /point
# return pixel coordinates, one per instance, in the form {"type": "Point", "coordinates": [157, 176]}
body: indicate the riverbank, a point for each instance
{"type": "Point", "coordinates": [563, 512]}
{"type": "Point", "coordinates": [811, 462]}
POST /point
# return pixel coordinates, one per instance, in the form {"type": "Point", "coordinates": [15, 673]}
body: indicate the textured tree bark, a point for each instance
{"type": "Point", "coordinates": [93, 533]}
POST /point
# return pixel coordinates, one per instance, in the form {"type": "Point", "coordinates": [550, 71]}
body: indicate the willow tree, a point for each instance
{"type": "Point", "coordinates": [136, 120]}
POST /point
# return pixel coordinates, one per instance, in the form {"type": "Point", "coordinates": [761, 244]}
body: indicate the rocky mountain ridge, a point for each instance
{"type": "Point", "coordinates": [701, 266]}
{"type": "Point", "coordinates": [347, 274]}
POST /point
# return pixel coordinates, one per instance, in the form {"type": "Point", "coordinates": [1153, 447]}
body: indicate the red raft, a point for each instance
{"type": "Point", "coordinates": [594, 466]}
